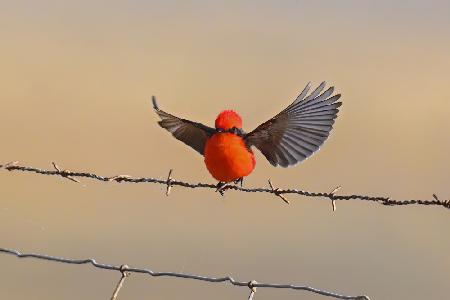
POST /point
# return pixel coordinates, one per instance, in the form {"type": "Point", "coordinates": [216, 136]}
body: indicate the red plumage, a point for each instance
{"type": "Point", "coordinates": [227, 157]}
{"type": "Point", "coordinates": [290, 137]}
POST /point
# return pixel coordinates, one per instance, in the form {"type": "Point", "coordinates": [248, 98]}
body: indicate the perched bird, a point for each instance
{"type": "Point", "coordinates": [285, 140]}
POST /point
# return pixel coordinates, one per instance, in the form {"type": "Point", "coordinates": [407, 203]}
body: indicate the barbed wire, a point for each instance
{"type": "Point", "coordinates": [170, 182]}
{"type": "Point", "coordinates": [126, 270]}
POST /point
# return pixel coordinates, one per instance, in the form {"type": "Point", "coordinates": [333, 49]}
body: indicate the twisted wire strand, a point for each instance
{"type": "Point", "coordinates": [124, 268]}
{"type": "Point", "coordinates": [13, 166]}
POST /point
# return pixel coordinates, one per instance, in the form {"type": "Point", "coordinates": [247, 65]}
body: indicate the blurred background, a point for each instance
{"type": "Point", "coordinates": [76, 81]}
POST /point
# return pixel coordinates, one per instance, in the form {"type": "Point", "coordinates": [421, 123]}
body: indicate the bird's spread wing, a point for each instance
{"type": "Point", "coordinates": [191, 133]}
{"type": "Point", "coordinates": [299, 130]}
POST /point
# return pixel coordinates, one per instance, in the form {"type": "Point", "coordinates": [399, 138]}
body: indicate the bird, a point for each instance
{"type": "Point", "coordinates": [288, 138]}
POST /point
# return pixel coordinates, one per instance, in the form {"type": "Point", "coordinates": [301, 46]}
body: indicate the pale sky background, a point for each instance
{"type": "Point", "coordinates": [76, 81]}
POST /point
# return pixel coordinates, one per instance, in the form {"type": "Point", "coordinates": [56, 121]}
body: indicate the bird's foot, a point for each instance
{"type": "Point", "coordinates": [239, 181]}
{"type": "Point", "coordinates": [221, 186]}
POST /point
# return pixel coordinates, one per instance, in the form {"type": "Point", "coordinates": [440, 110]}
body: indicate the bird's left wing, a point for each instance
{"type": "Point", "coordinates": [191, 133]}
{"type": "Point", "coordinates": [299, 130]}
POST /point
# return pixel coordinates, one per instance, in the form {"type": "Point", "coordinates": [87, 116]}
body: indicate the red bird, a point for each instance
{"type": "Point", "coordinates": [285, 140]}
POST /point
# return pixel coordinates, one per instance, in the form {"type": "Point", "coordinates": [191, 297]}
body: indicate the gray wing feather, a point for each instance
{"type": "Point", "coordinates": [299, 130]}
{"type": "Point", "coordinates": [191, 133]}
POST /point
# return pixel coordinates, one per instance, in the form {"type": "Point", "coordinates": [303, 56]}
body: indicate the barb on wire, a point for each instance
{"type": "Point", "coordinates": [278, 193]}
{"type": "Point", "coordinates": [119, 285]}
{"type": "Point", "coordinates": [332, 193]}
{"type": "Point", "coordinates": [169, 182]}
{"type": "Point", "coordinates": [251, 286]}
{"type": "Point", "coordinates": [13, 166]}
{"type": "Point", "coordinates": [64, 173]}
{"type": "Point", "coordinates": [124, 269]}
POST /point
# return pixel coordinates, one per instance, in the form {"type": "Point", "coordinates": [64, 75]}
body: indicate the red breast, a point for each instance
{"type": "Point", "coordinates": [227, 157]}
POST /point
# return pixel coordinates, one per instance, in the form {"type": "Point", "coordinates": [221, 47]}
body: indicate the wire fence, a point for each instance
{"type": "Point", "coordinates": [170, 182]}
{"type": "Point", "coordinates": [126, 270]}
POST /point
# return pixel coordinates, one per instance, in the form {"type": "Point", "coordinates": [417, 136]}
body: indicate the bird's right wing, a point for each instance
{"type": "Point", "coordinates": [191, 133]}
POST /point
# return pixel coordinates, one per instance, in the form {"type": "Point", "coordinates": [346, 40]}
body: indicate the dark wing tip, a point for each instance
{"type": "Point", "coordinates": [155, 104]}
{"type": "Point", "coordinates": [337, 97]}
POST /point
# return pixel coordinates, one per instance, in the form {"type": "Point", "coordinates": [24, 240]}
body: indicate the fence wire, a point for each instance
{"type": "Point", "coordinates": [126, 270]}
{"type": "Point", "coordinates": [170, 182]}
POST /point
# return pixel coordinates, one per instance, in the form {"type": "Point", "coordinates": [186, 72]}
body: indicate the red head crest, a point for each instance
{"type": "Point", "coordinates": [228, 119]}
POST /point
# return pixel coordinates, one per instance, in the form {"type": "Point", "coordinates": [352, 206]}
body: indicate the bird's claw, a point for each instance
{"type": "Point", "coordinates": [239, 181]}
{"type": "Point", "coordinates": [220, 187]}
